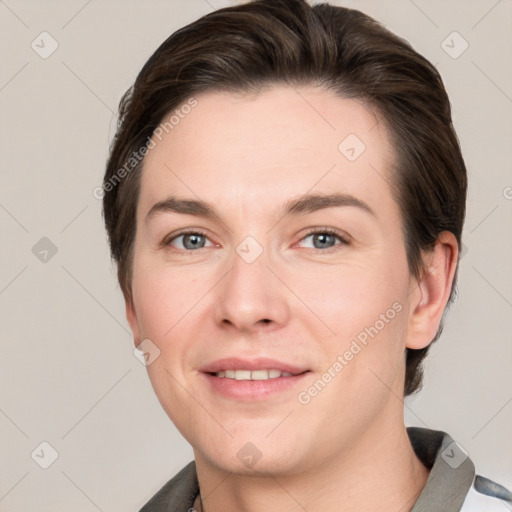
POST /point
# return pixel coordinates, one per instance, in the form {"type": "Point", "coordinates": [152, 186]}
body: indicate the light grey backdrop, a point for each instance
{"type": "Point", "coordinates": [69, 378]}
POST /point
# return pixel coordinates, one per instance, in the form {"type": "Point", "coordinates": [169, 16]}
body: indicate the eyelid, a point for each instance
{"type": "Point", "coordinates": [167, 241]}
{"type": "Point", "coordinates": [343, 237]}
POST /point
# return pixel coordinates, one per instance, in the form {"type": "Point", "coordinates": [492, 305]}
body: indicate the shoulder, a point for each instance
{"type": "Point", "coordinates": [178, 494]}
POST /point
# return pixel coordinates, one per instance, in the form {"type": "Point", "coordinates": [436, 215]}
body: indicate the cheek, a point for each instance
{"type": "Point", "coordinates": [351, 297]}
{"type": "Point", "coordinates": [163, 299]}
{"type": "Point", "coordinates": [168, 305]}
{"type": "Point", "coordinates": [364, 306]}
{"type": "Point", "coordinates": [372, 333]}
{"type": "Point", "coordinates": [363, 359]}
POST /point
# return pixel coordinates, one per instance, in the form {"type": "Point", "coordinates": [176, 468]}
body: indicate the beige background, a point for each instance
{"type": "Point", "coordinates": [68, 373]}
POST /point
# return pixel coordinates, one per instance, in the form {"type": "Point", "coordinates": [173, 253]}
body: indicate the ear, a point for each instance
{"type": "Point", "coordinates": [133, 321]}
{"type": "Point", "coordinates": [432, 291]}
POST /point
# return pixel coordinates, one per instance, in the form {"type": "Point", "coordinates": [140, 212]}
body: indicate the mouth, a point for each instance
{"type": "Point", "coordinates": [251, 379]}
{"type": "Point", "coordinates": [252, 375]}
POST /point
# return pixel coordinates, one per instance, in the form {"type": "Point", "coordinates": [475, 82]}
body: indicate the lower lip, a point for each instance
{"type": "Point", "coordinates": [252, 389]}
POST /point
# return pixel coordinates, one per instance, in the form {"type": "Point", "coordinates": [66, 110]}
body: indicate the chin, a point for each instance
{"type": "Point", "coordinates": [253, 455]}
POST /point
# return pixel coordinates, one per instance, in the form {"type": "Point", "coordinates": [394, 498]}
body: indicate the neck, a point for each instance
{"type": "Point", "coordinates": [380, 473]}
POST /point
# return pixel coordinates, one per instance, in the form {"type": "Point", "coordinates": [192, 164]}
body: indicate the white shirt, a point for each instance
{"type": "Point", "coordinates": [478, 502]}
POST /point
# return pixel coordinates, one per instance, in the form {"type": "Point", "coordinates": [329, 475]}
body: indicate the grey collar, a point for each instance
{"type": "Point", "coordinates": [451, 476]}
{"type": "Point", "coordinates": [451, 471]}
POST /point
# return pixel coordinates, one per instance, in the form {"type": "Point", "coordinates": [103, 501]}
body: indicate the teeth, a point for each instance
{"type": "Point", "coordinates": [252, 375]}
{"type": "Point", "coordinates": [262, 374]}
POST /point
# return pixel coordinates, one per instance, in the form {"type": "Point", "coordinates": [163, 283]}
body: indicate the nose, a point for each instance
{"type": "Point", "coordinates": [251, 297]}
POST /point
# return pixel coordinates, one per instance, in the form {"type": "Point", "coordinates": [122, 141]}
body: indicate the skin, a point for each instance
{"type": "Point", "coordinates": [299, 302]}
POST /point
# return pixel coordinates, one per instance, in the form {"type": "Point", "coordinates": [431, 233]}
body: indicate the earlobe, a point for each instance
{"type": "Point", "coordinates": [133, 322]}
{"type": "Point", "coordinates": [433, 291]}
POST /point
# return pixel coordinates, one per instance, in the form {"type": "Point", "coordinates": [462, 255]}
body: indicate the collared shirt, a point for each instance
{"type": "Point", "coordinates": [452, 485]}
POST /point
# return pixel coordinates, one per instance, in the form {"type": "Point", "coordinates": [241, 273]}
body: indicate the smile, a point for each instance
{"type": "Point", "coordinates": [252, 375]}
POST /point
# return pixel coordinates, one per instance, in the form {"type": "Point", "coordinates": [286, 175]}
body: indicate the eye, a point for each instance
{"type": "Point", "coordinates": [325, 239]}
{"type": "Point", "coordinates": [189, 241]}
{"type": "Point", "coordinates": [321, 239]}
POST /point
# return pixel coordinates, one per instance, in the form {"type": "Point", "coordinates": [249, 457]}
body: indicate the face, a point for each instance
{"type": "Point", "coordinates": [269, 246]}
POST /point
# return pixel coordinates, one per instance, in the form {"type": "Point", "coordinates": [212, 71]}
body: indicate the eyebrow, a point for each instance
{"type": "Point", "coordinates": [309, 203]}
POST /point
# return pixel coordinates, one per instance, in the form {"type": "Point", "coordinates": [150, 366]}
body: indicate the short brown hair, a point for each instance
{"type": "Point", "coordinates": [255, 45]}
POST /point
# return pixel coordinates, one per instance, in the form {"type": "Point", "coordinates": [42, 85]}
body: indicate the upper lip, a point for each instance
{"type": "Point", "coordinates": [261, 363]}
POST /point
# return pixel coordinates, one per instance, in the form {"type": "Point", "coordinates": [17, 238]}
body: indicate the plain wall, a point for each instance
{"type": "Point", "coordinates": [68, 375]}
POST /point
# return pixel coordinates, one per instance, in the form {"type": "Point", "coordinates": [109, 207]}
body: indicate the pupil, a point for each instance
{"type": "Point", "coordinates": [324, 239]}
{"type": "Point", "coordinates": [192, 241]}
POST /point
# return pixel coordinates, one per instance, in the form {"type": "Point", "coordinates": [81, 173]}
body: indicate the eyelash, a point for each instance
{"type": "Point", "coordinates": [344, 240]}
{"type": "Point", "coordinates": [167, 242]}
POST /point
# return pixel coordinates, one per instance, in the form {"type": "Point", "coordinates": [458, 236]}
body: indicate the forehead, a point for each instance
{"type": "Point", "coordinates": [265, 147]}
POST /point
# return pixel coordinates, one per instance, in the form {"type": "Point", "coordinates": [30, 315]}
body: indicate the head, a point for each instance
{"type": "Point", "coordinates": [248, 123]}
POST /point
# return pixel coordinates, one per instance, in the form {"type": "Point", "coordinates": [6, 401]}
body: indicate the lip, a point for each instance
{"type": "Point", "coordinates": [261, 363]}
{"type": "Point", "coordinates": [251, 390]}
